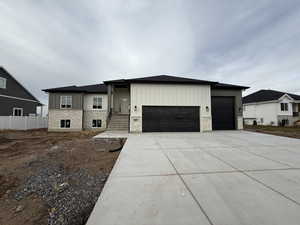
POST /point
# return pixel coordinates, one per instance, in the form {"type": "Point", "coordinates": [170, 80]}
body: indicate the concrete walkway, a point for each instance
{"type": "Point", "coordinates": [219, 178]}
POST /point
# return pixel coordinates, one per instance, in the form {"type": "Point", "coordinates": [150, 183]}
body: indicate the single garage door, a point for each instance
{"type": "Point", "coordinates": [171, 119]}
{"type": "Point", "coordinates": [222, 113]}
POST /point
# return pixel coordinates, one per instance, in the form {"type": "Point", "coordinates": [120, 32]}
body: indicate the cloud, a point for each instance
{"type": "Point", "coordinates": [56, 43]}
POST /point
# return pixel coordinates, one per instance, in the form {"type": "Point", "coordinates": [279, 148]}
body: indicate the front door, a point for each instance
{"type": "Point", "coordinates": [124, 106]}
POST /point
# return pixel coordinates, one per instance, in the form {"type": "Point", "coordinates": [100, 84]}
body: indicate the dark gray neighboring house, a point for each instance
{"type": "Point", "coordinates": [15, 99]}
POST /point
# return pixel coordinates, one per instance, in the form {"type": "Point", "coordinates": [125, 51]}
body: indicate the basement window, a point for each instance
{"type": "Point", "coordinates": [65, 123]}
{"type": "Point", "coordinates": [96, 123]}
{"type": "Point", "coordinates": [284, 106]}
{"type": "Point", "coordinates": [97, 103]}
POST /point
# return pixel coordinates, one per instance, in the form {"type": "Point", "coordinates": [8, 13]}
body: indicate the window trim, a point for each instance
{"type": "Point", "coordinates": [17, 108]}
{"type": "Point", "coordinates": [4, 82]}
{"type": "Point", "coordinates": [101, 105]}
{"type": "Point", "coordinates": [65, 124]}
{"type": "Point", "coordinates": [284, 106]}
{"type": "Point", "coordinates": [96, 123]}
{"type": "Point", "coordinates": [61, 99]}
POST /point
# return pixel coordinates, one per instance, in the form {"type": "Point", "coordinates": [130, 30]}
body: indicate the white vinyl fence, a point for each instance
{"type": "Point", "coordinates": [22, 122]}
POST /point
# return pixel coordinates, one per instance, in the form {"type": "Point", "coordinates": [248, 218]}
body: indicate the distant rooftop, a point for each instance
{"type": "Point", "coordinates": [267, 95]}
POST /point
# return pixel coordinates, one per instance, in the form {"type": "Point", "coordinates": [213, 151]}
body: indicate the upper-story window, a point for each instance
{"type": "Point", "coordinates": [284, 106]}
{"type": "Point", "coordinates": [2, 83]}
{"type": "Point", "coordinates": [66, 102]}
{"type": "Point", "coordinates": [97, 103]}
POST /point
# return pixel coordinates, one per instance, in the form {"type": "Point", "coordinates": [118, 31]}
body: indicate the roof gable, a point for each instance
{"type": "Point", "coordinates": [162, 79]}
{"type": "Point", "coordinates": [14, 88]}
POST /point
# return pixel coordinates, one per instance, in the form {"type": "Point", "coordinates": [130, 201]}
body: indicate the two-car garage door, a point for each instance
{"type": "Point", "coordinates": [187, 118]}
{"type": "Point", "coordinates": [171, 119]}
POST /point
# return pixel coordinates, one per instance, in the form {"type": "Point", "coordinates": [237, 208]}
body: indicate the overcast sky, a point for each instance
{"type": "Point", "coordinates": [64, 42]}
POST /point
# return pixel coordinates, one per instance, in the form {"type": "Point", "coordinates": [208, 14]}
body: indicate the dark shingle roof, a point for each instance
{"type": "Point", "coordinates": [96, 88]}
{"type": "Point", "coordinates": [175, 80]}
{"type": "Point", "coordinates": [267, 95]}
{"type": "Point", "coordinates": [228, 86]}
{"type": "Point", "coordinates": [162, 79]}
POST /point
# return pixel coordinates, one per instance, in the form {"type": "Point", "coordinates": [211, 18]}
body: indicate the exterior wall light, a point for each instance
{"type": "Point", "coordinates": [207, 109]}
{"type": "Point", "coordinates": [135, 108]}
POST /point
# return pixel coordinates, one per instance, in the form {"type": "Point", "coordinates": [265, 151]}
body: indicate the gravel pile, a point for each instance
{"type": "Point", "coordinates": [70, 195]}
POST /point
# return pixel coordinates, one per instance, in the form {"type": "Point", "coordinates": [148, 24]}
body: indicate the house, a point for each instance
{"type": "Point", "coordinates": [15, 99]}
{"type": "Point", "coordinates": [270, 107]}
{"type": "Point", "coordinates": [148, 104]}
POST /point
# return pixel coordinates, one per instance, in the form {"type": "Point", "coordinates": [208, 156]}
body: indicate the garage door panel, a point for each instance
{"type": "Point", "coordinates": [171, 119]}
{"type": "Point", "coordinates": [223, 113]}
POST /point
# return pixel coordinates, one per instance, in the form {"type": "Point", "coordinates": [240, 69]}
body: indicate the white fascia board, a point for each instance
{"type": "Point", "coordinates": [23, 99]}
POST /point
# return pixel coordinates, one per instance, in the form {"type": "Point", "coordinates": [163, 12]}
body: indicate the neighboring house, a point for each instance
{"type": "Point", "coordinates": [149, 104]}
{"type": "Point", "coordinates": [269, 107]}
{"type": "Point", "coordinates": [15, 99]}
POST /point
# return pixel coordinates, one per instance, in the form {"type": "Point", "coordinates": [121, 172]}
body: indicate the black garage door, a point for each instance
{"type": "Point", "coordinates": [222, 113]}
{"type": "Point", "coordinates": [170, 119]}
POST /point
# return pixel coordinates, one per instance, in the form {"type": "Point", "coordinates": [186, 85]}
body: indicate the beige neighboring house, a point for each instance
{"type": "Point", "coordinates": [270, 107]}
{"type": "Point", "coordinates": [149, 104]}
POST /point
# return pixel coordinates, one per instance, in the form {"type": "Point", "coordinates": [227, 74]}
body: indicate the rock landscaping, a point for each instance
{"type": "Point", "coordinates": [52, 179]}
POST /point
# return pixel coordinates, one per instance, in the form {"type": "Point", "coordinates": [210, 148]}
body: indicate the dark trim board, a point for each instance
{"type": "Point", "coordinates": [223, 112]}
{"type": "Point", "coordinates": [171, 118]}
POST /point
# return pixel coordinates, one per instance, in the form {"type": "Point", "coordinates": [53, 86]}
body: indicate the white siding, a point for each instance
{"type": "Point", "coordinates": [169, 95]}
{"type": "Point", "coordinates": [88, 102]}
{"type": "Point", "coordinates": [266, 111]}
{"type": "Point", "coordinates": [290, 107]}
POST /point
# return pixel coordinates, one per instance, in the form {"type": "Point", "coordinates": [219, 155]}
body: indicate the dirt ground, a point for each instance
{"type": "Point", "coordinates": [293, 132]}
{"type": "Point", "coordinates": [52, 178]}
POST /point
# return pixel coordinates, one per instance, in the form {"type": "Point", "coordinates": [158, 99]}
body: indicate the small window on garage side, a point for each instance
{"type": "Point", "coordinates": [96, 123]}
{"type": "Point", "coordinates": [97, 103]}
{"type": "Point", "coordinates": [17, 112]}
{"type": "Point", "coordinates": [2, 83]}
{"type": "Point", "coordinates": [65, 123]}
{"type": "Point", "coordinates": [66, 102]}
{"type": "Point", "coordinates": [284, 106]}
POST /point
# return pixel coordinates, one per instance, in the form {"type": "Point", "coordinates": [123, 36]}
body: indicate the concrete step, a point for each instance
{"type": "Point", "coordinates": [118, 122]}
{"type": "Point", "coordinates": [121, 123]}
{"type": "Point", "coordinates": [117, 128]}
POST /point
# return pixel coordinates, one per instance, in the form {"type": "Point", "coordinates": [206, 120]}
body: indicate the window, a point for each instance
{"type": "Point", "coordinates": [65, 123]}
{"type": "Point", "coordinates": [17, 112]}
{"type": "Point", "coordinates": [97, 103]}
{"type": "Point", "coordinates": [66, 102]}
{"type": "Point", "coordinates": [284, 106]}
{"type": "Point", "coordinates": [284, 122]}
{"type": "Point", "coordinates": [2, 83]}
{"type": "Point", "coordinates": [96, 123]}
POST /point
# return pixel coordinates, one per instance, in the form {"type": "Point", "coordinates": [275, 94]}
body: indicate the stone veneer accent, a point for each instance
{"type": "Point", "coordinates": [90, 115]}
{"type": "Point", "coordinates": [55, 115]}
{"type": "Point", "coordinates": [240, 124]}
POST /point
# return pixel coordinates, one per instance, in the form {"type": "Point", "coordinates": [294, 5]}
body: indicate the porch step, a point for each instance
{"type": "Point", "coordinates": [118, 122]}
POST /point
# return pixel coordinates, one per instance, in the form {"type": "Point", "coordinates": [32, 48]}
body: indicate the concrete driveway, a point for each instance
{"type": "Point", "coordinates": [220, 178]}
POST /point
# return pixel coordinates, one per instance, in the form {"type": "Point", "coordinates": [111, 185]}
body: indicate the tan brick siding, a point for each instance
{"type": "Point", "coordinates": [56, 115]}
{"type": "Point", "coordinates": [90, 115]}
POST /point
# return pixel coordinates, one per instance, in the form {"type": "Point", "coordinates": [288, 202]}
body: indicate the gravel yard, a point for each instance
{"type": "Point", "coordinates": [52, 178]}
